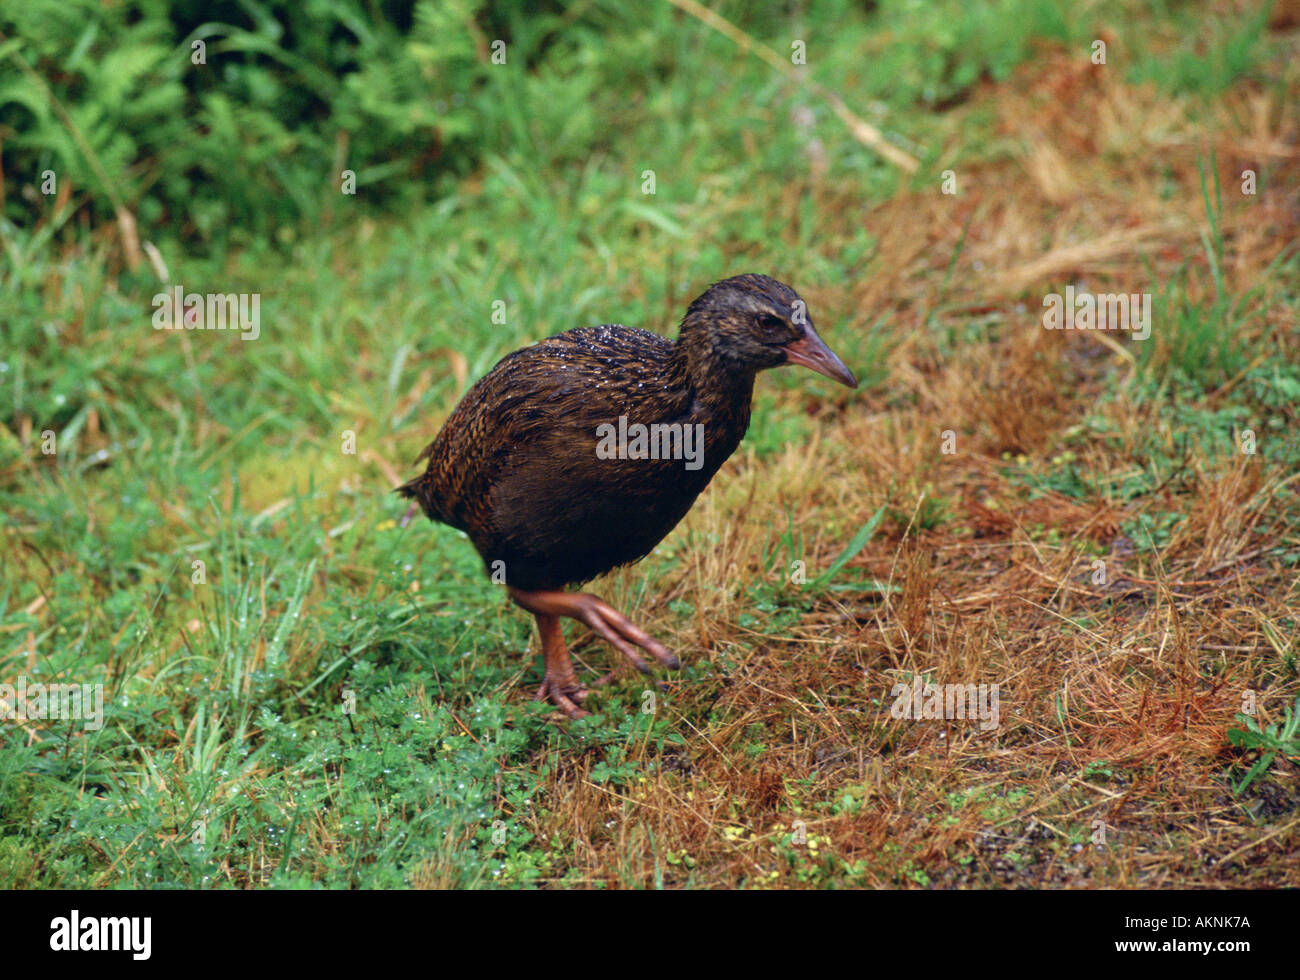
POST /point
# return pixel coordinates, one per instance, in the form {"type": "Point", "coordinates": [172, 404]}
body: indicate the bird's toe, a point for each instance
{"type": "Point", "coordinates": [568, 697]}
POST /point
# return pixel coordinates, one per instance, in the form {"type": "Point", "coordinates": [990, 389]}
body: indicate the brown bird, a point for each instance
{"type": "Point", "coordinates": [579, 454]}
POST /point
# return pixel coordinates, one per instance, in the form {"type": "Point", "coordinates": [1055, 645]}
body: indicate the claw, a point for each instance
{"type": "Point", "coordinates": [567, 699]}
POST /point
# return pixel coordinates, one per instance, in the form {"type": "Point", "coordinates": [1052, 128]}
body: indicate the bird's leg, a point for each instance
{"type": "Point", "coordinates": [560, 684]}
{"type": "Point", "coordinates": [611, 626]}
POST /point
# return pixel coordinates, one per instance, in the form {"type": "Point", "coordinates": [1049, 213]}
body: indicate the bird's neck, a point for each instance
{"type": "Point", "coordinates": [721, 389]}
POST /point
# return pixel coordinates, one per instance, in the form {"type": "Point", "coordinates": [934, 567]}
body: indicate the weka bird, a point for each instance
{"type": "Point", "coordinates": [528, 467]}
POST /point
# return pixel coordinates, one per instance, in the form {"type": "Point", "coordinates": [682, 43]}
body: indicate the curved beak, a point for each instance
{"type": "Point", "coordinates": [812, 352]}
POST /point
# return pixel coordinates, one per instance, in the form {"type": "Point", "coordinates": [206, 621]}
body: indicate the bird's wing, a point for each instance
{"type": "Point", "coordinates": [530, 401]}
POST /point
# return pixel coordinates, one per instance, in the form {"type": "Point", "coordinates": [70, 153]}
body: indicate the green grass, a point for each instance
{"type": "Point", "coordinates": [1208, 340]}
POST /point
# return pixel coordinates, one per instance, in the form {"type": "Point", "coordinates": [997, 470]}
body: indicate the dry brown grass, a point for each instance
{"type": "Point", "coordinates": [1108, 766]}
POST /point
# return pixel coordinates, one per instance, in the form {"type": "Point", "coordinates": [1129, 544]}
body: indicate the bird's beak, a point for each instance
{"type": "Point", "coordinates": [812, 352]}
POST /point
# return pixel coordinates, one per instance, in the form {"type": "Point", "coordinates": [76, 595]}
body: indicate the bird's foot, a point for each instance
{"type": "Point", "coordinates": [567, 694]}
{"type": "Point", "coordinates": [621, 633]}
{"type": "Point", "coordinates": [560, 685]}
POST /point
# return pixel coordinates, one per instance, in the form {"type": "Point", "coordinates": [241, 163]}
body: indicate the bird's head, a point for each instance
{"type": "Point", "coordinates": [753, 322]}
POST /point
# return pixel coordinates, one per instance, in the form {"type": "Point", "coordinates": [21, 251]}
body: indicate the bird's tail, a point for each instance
{"type": "Point", "coordinates": [415, 490]}
{"type": "Point", "coordinates": [418, 489]}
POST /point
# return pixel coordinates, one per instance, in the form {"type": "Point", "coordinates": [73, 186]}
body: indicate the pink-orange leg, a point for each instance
{"type": "Point", "coordinates": [561, 685]}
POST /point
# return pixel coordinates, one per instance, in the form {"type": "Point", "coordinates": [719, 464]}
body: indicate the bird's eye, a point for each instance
{"type": "Point", "coordinates": [772, 325]}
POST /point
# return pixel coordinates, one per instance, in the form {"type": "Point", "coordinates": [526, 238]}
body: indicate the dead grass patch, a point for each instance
{"type": "Point", "coordinates": [1120, 664]}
